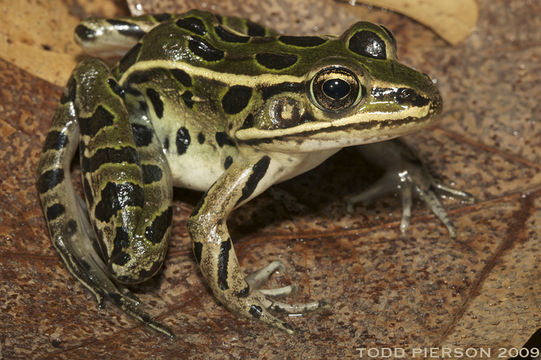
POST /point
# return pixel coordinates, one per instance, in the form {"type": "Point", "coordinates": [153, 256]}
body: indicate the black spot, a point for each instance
{"type": "Point", "coordinates": [142, 135]}
{"type": "Point", "coordinates": [192, 24]}
{"type": "Point", "coordinates": [115, 197]}
{"type": "Point", "coordinates": [183, 140]}
{"type": "Point", "coordinates": [102, 156]}
{"type": "Point", "coordinates": [336, 88]}
{"type": "Point", "coordinates": [244, 292]}
{"type": "Point", "coordinates": [182, 77]}
{"type": "Point", "coordinates": [129, 58]}
{"type": "Point", "coordinates": [201, 138]}
{"type": "Point", "coordinates": [46, 47]}
{"type": "Point", "coordinates": [161, 17]}
{"type": "Point", "coordinates": [55, 211]}
{"type": "Point", "coordinates": [256, 311]}
{"type": "Point", "coordinates": [248, 122]}
{"type": "Point", "coordinates": [223, 261]}
{"type": "Point", "coordinates": [223, 139]}
{"type": "Point", "coordinates": [276, 61]}
{"type": "Point", "coordinates": [166, 143]}
{"type": "Point", "coordinates": [203, 49]}
{"type": "Point", "coordinates": [276, 89]}
{"type": "Point", "coordinates": [157, 103]}
{"type": "Point", "coordinates": [258, 171]}
{"type": "Point", "coordinates": [126, 28]}
{"type": "Point", "coordinates": [155, 232]}
{"type": "Point", "coordinates": [85, 33]}
{"type": "Point", "coordinates": [98, 120]}
{"type": "Point", "coordinates": [69, 92]}
{"type": "Point", "coordinates": [49, 179]}
{"type": "Point", "coordinates": [151, 173]}
{"type": "Point", "coordinates": [255, 29]}
{"type": "Point", "coordinates": [236, 99]}
{"type": "Point", "coordinates": [228, 161]}
{"type": "Point", "coordinates": [302, 41]}
{"type": "Point", "coordinates": [71, 228]}
{"type": "Point", "coordinates": [117, 89]}
{"type": "Point", "coordinates": [367, 43]}
{"type": "Point", "coordinates": [187, 98]}
{"type": "Point", "coordinates": [121, 242]}
{"type": "Point", "coordinates": [55, 141]}
{"type": "Point", "coordinates": [139, 77]}
{"type": "Point", "coordinates": [88, 191]}
{"type": "Point", "coordinates": [228, 36]}
{"type": "Point", "coordinates": [197, 250]}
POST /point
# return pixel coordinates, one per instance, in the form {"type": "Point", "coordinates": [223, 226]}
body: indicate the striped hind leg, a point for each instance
{"type": "Point", "coordinates": [96, 240]}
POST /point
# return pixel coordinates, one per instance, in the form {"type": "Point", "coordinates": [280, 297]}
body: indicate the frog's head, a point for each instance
{"type": "Point", "coordinates": [354, 91]}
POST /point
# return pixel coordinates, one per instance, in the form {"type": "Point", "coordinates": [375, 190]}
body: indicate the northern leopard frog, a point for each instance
{"type": "Point", "coordinates": [225, 106]}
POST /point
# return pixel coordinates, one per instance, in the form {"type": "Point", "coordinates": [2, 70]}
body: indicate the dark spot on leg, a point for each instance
{"type": "Point", "coordinates": [201, 138]}
{"type": "Point", "coordinates": [228, 36]}
{"type": "Point", "coordinates": [258, 171]}
{"type": "Point", "coordinates": [129, 58]}
{"type": "Point", "coordinates": [98, 120]}
{"type": "Point", "coordinates": [166, 143]}
{"type": "Point", "coordinates": [121, 242]}
{"type": "Point", "coordinates": [69, 91]}
{"type": "Point", "coordinates": [88, 191]}
{"type": "Point", "coordinates": [55, 141]}
{"type": "Point", "coordinates": [256, 311]}
{"type": "Point", "coordinates": [126, 28]}
{"type": "Point", "coordinates": [85, 33]}
{"type": "Point", "coordinates": [117, 89]}
{"type": "Point", "coordinates": [71, 227]}
{"type": "Point", "coordinates": [161, 224]}
{"type": "Point", "coordinates": [157, 103]}
{"type": "Point", "coordinates": [228, 161]}
{"type": "Point", "coordinates": [55, 211]}
{"type": "Point", "coordinates": [115, 197]}
{"type": "Point", "coordinates": [49, 179]}
{"type": "Point", "coordinates": [141, 134]}
{"type": "Point", "coordinates": [276, 61]}
{"type": "Point", "coordinates": [182, 77]}
{"type": "Point", "coordinates": [197, 250]}
{"type": "Point", "coordinates": [110, 155]}
{"type": "Point", "coordinates": [192, 24]}
{"type": "Point", "coordinates": [223, 139]}
{"type": "Point", "coordinates": [223, 261]}
{"type": "Point", "coordinates": [204, 50]}
{"type": "Point", "coordinates": [236, 99]}
{"type": "Point", "coordinates": [151, 173]}
{"type": "Point", "coordinates": [244, 292]}
{"type": "Point", "coordinates": [183, 140]}
{"type": "Point", "coordinates": [187, 98]}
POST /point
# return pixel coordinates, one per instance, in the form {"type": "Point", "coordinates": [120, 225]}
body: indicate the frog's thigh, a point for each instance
{"type": "Point", "coordinates": [126, 178]}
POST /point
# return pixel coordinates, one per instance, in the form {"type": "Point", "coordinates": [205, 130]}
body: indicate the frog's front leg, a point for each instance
{"type": "Point", "coordinates": [214, 250]}
{"type": "Point", "coordinates": [119, 235]}
{"type": "Point", "coordinates": [405, 173]}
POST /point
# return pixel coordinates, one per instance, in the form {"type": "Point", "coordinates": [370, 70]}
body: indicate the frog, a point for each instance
{"type": "Point", "coordinates": [225, 106]}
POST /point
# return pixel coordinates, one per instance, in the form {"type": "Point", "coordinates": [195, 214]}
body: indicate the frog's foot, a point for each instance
{"type": "Point", "coordinates": [261, 303]}
{"type": "Point", "coordinates": [413, 178]}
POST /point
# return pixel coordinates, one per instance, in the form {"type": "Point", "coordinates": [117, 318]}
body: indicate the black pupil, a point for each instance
{"type": "Point", "coordinates": [336, 88]}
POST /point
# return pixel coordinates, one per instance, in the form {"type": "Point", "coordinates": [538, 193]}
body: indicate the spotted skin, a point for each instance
{"type": "Point", "coordinates": [211, 103]}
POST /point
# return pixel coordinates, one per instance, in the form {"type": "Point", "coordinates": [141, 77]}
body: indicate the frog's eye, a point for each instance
{"type": "Point", "coordinates": [369, 44]}
{"type": "Point", "coordinates": [335, 88]}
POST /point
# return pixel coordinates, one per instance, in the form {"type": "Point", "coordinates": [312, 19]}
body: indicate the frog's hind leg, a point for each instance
{"type": "Point", "coordinates": [80, 243]}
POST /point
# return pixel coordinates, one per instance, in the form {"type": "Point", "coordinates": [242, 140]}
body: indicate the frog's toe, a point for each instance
{"type": "Point", "coordinates": [259, 277]}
